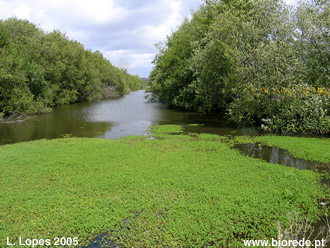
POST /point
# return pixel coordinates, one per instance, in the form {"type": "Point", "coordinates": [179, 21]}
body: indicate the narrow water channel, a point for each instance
{"type": "Point", "coordinates": [277, 155]}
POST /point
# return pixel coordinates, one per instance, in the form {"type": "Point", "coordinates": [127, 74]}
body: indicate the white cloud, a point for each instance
{"type": "Point", "coordinates": [86, 12]}
{"type": "Point", "coordinates": [23, 11]}
{"type": "Point", "coordinates": [159, 32]}
{"type": "Point", "coordinates": [128, 59]}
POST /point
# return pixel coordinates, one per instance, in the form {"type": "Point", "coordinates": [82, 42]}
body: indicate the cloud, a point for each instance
{"type": "Point", "coordinates": [74, 13]}
{"type": "Point", "coordinates": [129, 58]}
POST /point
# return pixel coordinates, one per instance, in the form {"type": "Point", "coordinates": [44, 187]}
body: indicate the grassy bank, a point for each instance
{"type": "Point", "coordinates": [176, 190]}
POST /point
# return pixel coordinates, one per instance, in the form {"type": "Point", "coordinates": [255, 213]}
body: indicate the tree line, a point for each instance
{"type": "Point", "coordinates": [40, 70]}
{"type": "Point", "coordinates": [258, 61]}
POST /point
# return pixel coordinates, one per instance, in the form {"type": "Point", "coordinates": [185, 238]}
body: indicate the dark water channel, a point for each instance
{"type": "Point", "coordinates": [277, 155]}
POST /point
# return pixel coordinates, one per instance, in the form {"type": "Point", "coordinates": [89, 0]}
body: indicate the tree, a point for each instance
{"type": "Point", "coordinates": [313, 34]}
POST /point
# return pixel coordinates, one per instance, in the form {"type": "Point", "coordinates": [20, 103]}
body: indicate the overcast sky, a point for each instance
{"type": "Point", "coordinates": [125, 31]}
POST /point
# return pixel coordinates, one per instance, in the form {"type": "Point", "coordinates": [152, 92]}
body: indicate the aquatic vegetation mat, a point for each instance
{"type": "Point", "coordinates": [171, 191]}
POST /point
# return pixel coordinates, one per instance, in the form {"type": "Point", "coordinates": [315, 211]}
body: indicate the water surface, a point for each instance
{"type": "Point", "coordinates": [112, 119]}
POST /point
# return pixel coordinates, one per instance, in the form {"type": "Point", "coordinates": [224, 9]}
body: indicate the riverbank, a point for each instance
{"type": "Point", "coordinates": [175, 190]}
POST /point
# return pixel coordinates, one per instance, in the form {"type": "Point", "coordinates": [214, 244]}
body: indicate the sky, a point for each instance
{"type": "Point", "coordinates": [125, 31]}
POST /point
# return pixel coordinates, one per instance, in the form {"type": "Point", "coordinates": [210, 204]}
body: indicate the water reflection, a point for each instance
{"type": "Point", "coordinates": [62, 121]}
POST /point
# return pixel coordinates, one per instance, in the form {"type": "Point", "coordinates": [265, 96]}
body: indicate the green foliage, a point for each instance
{"type": "Point", "coordinates": [294, 109]}
{"type": "Point", "coordinates": [41, 70]}
{"type": "Point", "coordinates": [174, 191]}
{"type": "Point", "coordinates": [231, 51]}
{"type": "Point", "coordinates": [313, 22]}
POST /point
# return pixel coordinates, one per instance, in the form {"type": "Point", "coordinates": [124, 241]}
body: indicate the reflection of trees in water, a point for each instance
{"type": "Point", "coordinates": [68, 119]}
{"type": "Point", "coordinates": [215, 123]}
{"type": "Point", "coordinates": [50, 130]}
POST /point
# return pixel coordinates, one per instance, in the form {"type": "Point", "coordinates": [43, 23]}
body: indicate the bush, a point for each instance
{"type": "Point", "coordinates": [295, 109]}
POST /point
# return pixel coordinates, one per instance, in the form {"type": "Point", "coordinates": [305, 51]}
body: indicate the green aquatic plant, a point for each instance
{"type": "Point", "coordinates": [173, 191]}
{"type": "Point", "coordinates": [167, 129]}
{"type": "Point", "coordinates": [196, 125]}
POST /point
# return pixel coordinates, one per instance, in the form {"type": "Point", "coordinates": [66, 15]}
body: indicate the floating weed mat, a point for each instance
{"type": "Point", "coordinates": [189, 190]}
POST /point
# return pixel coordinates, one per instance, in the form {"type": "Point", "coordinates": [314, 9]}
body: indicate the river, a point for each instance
{"type": "Point", "coordinates": [131, 114]}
